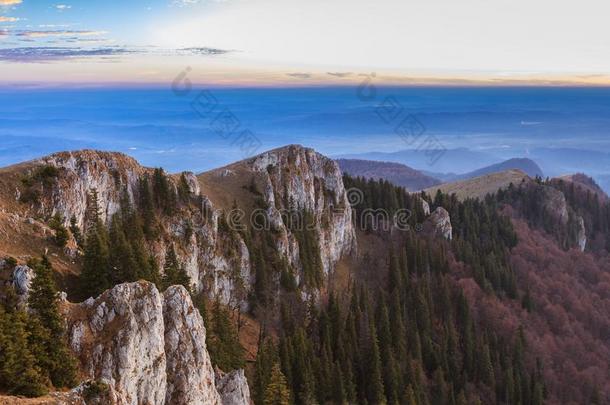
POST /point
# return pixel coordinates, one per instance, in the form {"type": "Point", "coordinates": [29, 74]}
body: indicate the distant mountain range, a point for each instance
{"type": "Point", "coordinates": [396, 173]}
{"type": "Point", "coordinates": [463, 163]}
{"type": "Point", "coordinates": [460, 160]}
{"type": "Point", "coordinates": [415, 180]}
{"type": "Point", "coordinates": [525, 165]}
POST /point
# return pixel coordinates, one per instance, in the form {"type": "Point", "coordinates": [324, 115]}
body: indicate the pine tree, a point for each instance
{"type": "Point", "coordinates": [375, 387]}
{"type": "Point", "coordinates": [43, 301]}
{"type": "Point", "coordinates": [339, 395]}
{"type": "Point", "coordinates": [19, 372]}
{"type": "Point", "coordinates": [76, 232]}
{"type": "Point", "coordinates": [147, 205]}
{"type": "Point", "coordinates": [409, 397]}
{"type": "Point", "coordinates": [277, 392]}
{"type": "Point", "coordinates": [266, 357]}
{"type": "Point", "coordinates": [61, 233]}
{"type": "Point", "coordinates": [184, 190]}
{"type": "Point", "coordinates": [123, 264]}
{"type": "Point", "coordinates": [95, 276]}
{"type": "Point", "coordinates": [223, 341]}
{"type": "Point", "coordinates": [173, 272]}
{"type": "Point", "coordinates": [486, 368]}
{"type": "Point", "coordinates": [164, 194]}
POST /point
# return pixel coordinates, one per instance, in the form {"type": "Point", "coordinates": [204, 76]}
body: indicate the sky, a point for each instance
{"type": "Point", "coordinates": [300, 42]}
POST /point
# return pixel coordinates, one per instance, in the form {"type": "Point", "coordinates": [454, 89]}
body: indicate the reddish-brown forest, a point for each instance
{"type": "Point", "coordinates": [568, 326]}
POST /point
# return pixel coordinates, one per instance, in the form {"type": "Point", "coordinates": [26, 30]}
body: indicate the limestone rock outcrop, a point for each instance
{"type": "Point", "coordinates": [190, 376]}
{"type": "Point", "coordinates": [425, 207]}
{"type": "Point", "coordinates": [22, 279]}
{"type": "Point", "coordinates": [441, 222]}
{"type": "Point", "coordinates": [581, 234]}
{"type": "Point", "coordinates": [148, 347]}
{"type": "Point", "coordinates": [555, 204]}
{"type": "Point", "coordinates": [119, 339]}
{"type": "Point", "coordinates": [80, 172]}
{"type": "Point", "coordinates": [233, 387]}
{"type": "Point", "coordinates": [298, 178]}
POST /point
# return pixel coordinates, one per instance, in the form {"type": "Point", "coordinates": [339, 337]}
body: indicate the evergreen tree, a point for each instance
{"type": "Point", "coordinates": [184, 190]}
{"type": "Point", "coordinates": [19, 371]}
{"type": "Point", "coordinates": [266, 358]}
{"type": "Point", "coordinates": [223, 341]}
{"type": "Point", "coordinates": [76, 232]}
{"type": "Point", "coordinates": [147, 205]}
{"type": "Point", "coordinates": [173, 272]}
{"type": "Point", "coordinates": [123, 264]}
{"type": "Point", "coordinates": [277, 392]}
{"type": "Point", "coordinates": [43, 301]}
{"type": "Point", "coordinates": [164, 193]}
{"type": "Point", "coordinates": [61, 233]}
{"type": "Point", "coordinates": [95, 276]}
{"type": "Point", "coordinates": [375, 387]}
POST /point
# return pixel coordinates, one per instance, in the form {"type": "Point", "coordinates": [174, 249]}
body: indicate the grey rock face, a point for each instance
{"type": "Point", "coordinates": [442, 223]}
{"type": "Point", "coordinates": [555, 204]}
{"type": "Point", "coordinates": [190, 377]}
{"type": "Point", "coordinates": [425, 206]}
{"type": "Point", "coordinates": [149, 348]}
{"type": "Point", "coordinates": [119, 338]}
{"type": "Point", "coordinates": [233, 387]}
{"type": "Point", "coordinates": [582, 234]}
{"type": "Point", "coordinates": [22, 280]}
{"type": "Point", "coordinates": [302, 179]}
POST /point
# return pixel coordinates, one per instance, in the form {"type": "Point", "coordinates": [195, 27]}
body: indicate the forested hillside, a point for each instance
{"type": "Point", "coordinates": [390, 297]}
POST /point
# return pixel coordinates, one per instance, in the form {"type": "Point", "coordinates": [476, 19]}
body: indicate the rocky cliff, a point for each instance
{"type": "Point", "coordinates": [297, 178]}
{"type": "Point", "coordinates": [217, 260]}
{"type": "Point", "coordinates": [148, 347]}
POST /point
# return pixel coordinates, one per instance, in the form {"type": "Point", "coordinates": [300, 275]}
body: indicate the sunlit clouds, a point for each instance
{"type": "Point", "coordinates": [288, 42]}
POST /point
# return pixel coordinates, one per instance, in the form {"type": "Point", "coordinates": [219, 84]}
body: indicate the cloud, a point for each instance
{"type": "Point", "coordinates": [339, 74]}
{"type": "Point", "coordinates": [54, 25]}
{"type": "Point", "coordinates": [300, 75]}
{"type": "Point", "coordinates": [62, 7]}
{"type": "Point", "coordinates": [9, 2]}
{"type": "Point", "coordinates": [50, 54]}
{"type": "Point", "coordinates": [203, 51]}
{"type": "Point", "coordinates": [47, 54]}
{"type": "Point", "coordinates": [183, 3]}
{"type": "Point", "coordinates": [60, 33]}
{"type": "Point", "coordinates": [8, 19]}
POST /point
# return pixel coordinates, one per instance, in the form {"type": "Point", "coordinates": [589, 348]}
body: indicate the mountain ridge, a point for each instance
{"type": "Point", "coordinates": [306, 267]}
{"type": "Point", "coordinates": [396, 173]}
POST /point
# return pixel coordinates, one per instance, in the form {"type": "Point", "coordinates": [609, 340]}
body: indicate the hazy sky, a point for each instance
{"type": "Point", "coordinates": [305, 41]}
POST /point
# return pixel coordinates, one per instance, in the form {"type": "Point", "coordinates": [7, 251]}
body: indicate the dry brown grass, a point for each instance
{"type": "Point", "coordinates": [479, 187]}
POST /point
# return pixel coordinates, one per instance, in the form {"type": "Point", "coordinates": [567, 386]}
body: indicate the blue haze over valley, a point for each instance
{"type": "Point", "coordinates": [564, 130]}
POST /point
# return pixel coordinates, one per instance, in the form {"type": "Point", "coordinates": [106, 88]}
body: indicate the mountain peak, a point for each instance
{"type": "Point", "coordinates": [92, 157]}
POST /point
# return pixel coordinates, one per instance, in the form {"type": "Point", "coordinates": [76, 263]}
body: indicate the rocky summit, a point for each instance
{"type": "Point", "coordinates": [148, 348]}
